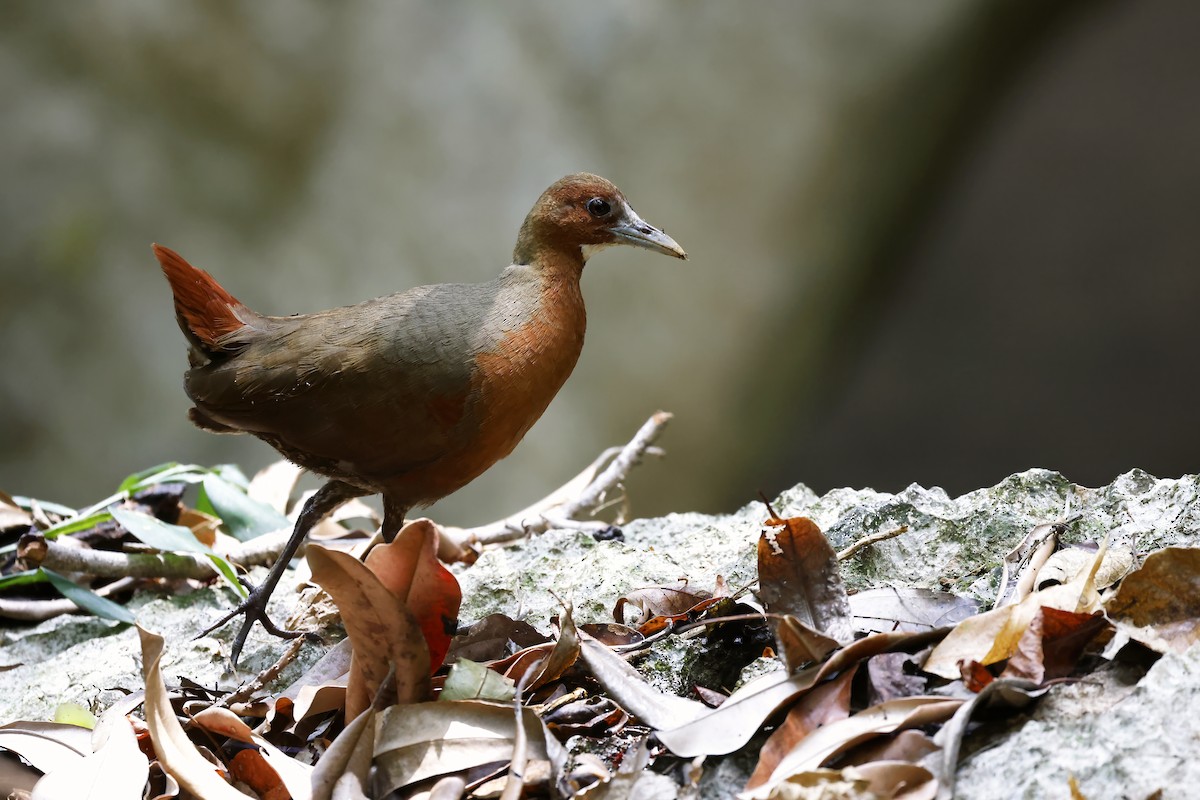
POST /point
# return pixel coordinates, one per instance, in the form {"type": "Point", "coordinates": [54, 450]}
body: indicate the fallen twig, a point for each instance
{"type": "Point", "coordinates": [867, 541]}
{"type": "Point", "coordinates": [582, 494]}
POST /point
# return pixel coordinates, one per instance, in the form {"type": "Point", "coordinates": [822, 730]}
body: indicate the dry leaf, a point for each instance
{"type": "Point", "coordinates": [826, 741]}
{"type": "Point", "coordinates": [380, 626]}
{"type": "Point", "coordinates": [826, 703]}
{"type": "Point", "coordinates": [1052, 644]}
{"type": "Point", "coordinates": [1159, 603]}
{"type": "Point", "coordinates": [410, 569]}
{"type": "Point", "coordinates": [424, 740]}
{"type": "Point", "coordinates": [178, 756]}
{"type": "Point", "coordinates": [630, 690]}
{"type": "Point", "coordinates": [117, 770]}
{"type": "Point", "coordinates": [798, 575]}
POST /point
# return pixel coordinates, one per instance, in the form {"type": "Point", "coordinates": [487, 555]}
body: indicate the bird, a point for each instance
{"type": "Point", "coordinates": [410, 396]}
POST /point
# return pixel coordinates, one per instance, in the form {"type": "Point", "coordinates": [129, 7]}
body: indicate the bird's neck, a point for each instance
{"type": "Point", "coordinates": [552, 255]}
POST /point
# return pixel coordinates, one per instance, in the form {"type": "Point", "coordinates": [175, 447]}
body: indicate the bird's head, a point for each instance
{"type": "Point", "coordinates": [583, 213]}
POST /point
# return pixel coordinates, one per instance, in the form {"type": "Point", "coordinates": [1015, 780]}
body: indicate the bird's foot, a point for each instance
{"type": "Point", "coordinates": [254, 609]}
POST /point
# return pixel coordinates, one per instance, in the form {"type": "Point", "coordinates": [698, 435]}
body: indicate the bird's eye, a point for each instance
{"type": "Point", "coordinates": [598, 207]}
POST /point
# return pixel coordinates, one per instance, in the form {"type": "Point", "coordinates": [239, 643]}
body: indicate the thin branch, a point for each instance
{"type": "Point", "coordinates": [867, 541]}
{"type": "Point", "coordinates": [582, 494]}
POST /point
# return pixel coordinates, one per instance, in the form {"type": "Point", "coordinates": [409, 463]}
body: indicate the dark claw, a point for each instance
{"type": "Point", "coordinates": [254, 609]}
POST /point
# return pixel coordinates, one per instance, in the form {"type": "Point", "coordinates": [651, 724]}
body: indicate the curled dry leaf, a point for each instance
{"type": "Point", "coordinates": [116, 769]}
{"type": "Point", "coordinates": [993, 635]}
{"type": "Point", "coordinates": [381, 629]}
{"type": "Point", "coordinates": [630, 690]}
{"type": "Point", "coordinates": [798, 575]}
{"type": "Point", "coordinates": [176, 753]}
{"type": "Point", "coordinates": [424, 740]}
{"type": "Point", "coordinates": [1053, 643]}
{"type": "Point", "coordinates": [640, 605]}
{"type": "Point", "coordinates": [1159, 603]}
{"type": "Point", "coordinates": [1000, 694]}
{"type": "Point", "coordinates": [727, 728]}
{"type": "Point", "coordinates": [410, 569]}
{"type": "Point", "coordinates": [828, 740]}
{"type": "Point", "coordinates": [826, 703]}
{"type": "Point", "coordinates": [494, 637]}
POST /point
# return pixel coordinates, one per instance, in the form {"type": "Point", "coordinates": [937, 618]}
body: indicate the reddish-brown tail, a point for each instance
{"type": "Point", "coordinates": [206, 312]}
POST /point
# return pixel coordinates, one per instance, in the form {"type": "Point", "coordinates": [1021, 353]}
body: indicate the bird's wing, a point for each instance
{"type": "Point", "coordinates": [387, 382]}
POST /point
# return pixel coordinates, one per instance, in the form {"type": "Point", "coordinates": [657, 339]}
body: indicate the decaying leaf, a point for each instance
{"type": "Point", "coordinates": [380, 626]}
{"type": "Point", "coordinates": [176, 753]}
{"type": "Point", "coordinates": [798, 575]}
{"type": "Point", "coordinates": [116, 769]}
{"type": "Point", "coordinates": [656, 601]}
{"type": "Point", "coordinates": [630, 690]}
{"type": "Point", "coordinates": [494, 637]}
{"type": "Point", "coordinates": [410, 569]}
{"type": "Point", "coordinates": [908, 609]}
{"type": "Point", "coordinates": [1000, 694]}
{"type": "Point", "coordinates": [1159, 603]}
{"type": "Point", "coordinates": [993, 635]}
{"type": "Point", "coordinates": [424, 740]}
{"type": "Point", "coordinates": [826, 703]}
{"type": "Point", "coordinates": [1052, 644]}
{"type": "Point", "coordinates": [828, 740]}
{"type": "Point", "coordinates": [727, 728]}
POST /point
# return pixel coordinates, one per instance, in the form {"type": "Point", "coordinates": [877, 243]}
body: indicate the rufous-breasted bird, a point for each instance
{"type": "Point", "coordinates": [412, 395]}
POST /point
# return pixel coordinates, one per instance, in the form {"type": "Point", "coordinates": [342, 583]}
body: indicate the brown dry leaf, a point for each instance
{"type": "Point", "coordinates": [549, 660]}
{"type": "Point", "coordinates": [827, 703]}
{"type": "Point", "coordinates": [424, 740]}
{"type": "Point", "coordinates": [203, 526]}
{"type": "Point", "coordinates": [176, 753]}
{"type": "Point", "coordinates": [410, 569]}
{"type": "Point", "coordinates": [1159, 603]}
{"type": "Point", "coordinates": [381, 629]}
{"type": "Point", "coordinates": [249, 767]}
{"type": "Point", "coordinates": [993, 635]}
{"type": "Point", "coordinates": [896, 780]}
{"type": "Point", "coordinates": [1001, 694]}
{"type": "Point", "coordinates": [828, 740]}
{"type": "Point", "coordinates": [1052, 644]}
{"type": "Point", "coordinates": [798, 574]}
{"type": "Point", "coordinates": [494, 637]}
{"type": "Point", "coordinates": [906, 745]}
{"type": "Point", "coordinates": [800, 644]}
{"type": "Point", "coordinates": [612, 634]}
{"type": "Point", "coordinates": [974, 675]}
{"type": "Point", "coordinates": [725, 729]}
{"type": "Point", "coordinates": [656, 601]}
{"type": "Point", "coordinates": [11, 514]}
{"type": "Point", "coordinates": [344, 767]}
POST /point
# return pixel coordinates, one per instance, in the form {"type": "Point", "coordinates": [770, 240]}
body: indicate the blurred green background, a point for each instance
{"type": "Point", "coordinates": [934, 242]}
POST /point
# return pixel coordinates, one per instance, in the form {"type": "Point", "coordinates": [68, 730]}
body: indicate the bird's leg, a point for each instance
{"type": "Point", "coordinates": [254, 607]}
{"type": "Point", "coordinates": [393, 518]}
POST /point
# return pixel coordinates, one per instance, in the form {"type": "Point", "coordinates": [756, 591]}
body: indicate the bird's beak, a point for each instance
{"type": "Point", "coordinates": [632, 229]}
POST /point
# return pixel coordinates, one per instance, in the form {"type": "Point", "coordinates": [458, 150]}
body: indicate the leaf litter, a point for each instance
{"type": "Point", "coordinates": [873, 692]}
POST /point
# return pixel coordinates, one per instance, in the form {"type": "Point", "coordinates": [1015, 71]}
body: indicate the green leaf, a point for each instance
{"type": "Point", "coordinates": [77, 524]}
{"type": "Point", "coordinates": [170, 472]}
{"type": "Point", "coordinates": [227, 571]}
{"type": "Point", "coordinates": [470, 680]}
{"type": "Point", "coordinates": [87, 599]}
{"type": "Point", "coordinates": [25, 578]}
{"type": "Point", "coordinates": [232, 474]}
{"type": "Point", "coordinates": [173, 538]}
{"type": "Point", "coordinates": [243, 516]}
{"type": "Point", "coordinates": [57, 509]}
{"type": "Point", "coordinates": [159, 534]}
